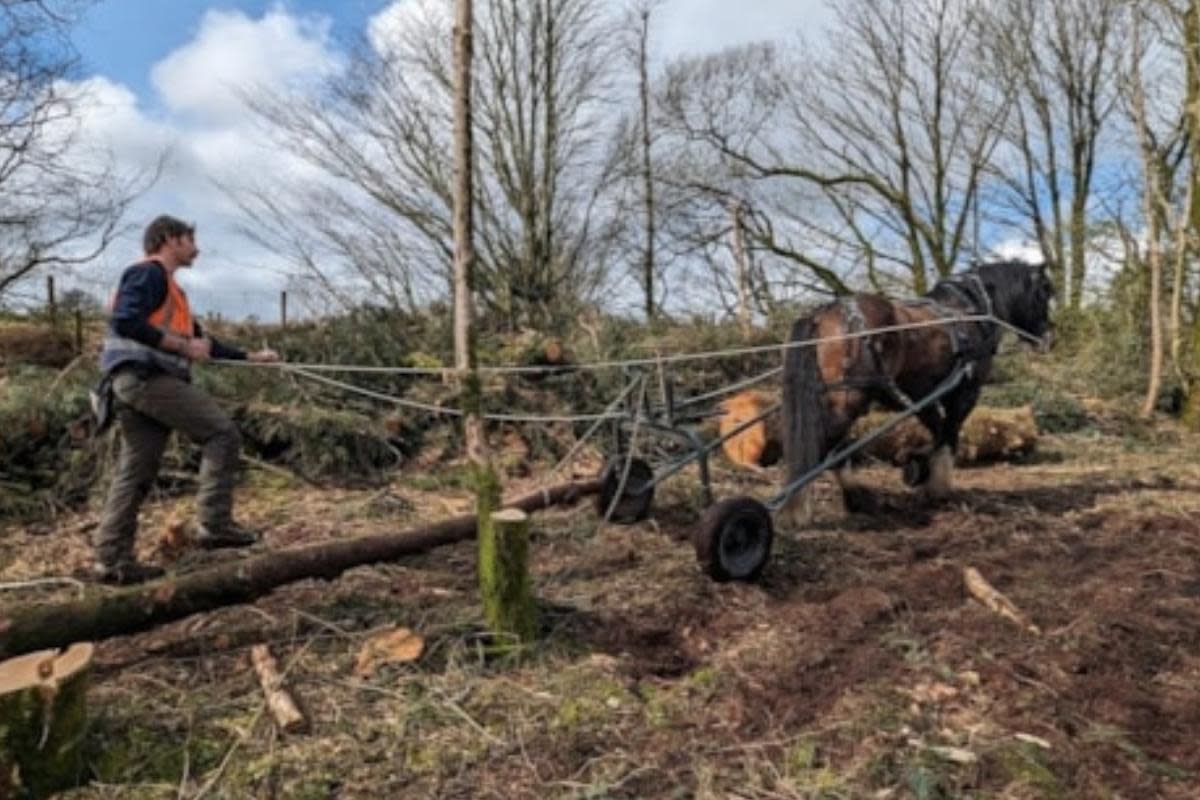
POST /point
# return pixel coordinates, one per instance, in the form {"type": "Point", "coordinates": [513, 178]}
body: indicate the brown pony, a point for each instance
{"type": "Point", "coordinates": [827, 386]}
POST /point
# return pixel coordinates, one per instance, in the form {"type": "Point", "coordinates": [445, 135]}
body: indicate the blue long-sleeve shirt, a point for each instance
{"type": "Point", "coordinates": [142, 290]}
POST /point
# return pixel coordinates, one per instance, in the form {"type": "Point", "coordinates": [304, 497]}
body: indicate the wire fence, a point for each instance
{"type": "Point", "coordinates": [54, 298]}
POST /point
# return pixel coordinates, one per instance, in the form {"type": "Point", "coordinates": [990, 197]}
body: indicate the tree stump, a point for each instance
{"type": "Point", "coordinates": [504, 586]}
{"type": "Point", "coordinates": [43, 719]}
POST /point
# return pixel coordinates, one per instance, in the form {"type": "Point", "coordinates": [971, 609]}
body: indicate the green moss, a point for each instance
{"type": "Point", "coordinates": [41, 738]}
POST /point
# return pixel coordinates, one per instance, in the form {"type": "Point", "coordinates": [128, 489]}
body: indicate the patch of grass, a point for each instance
{"type": "Point", "coordinates": [1023, 765]}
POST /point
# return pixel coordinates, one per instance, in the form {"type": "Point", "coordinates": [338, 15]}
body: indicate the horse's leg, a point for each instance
{"type": "Point", "coordinates": [957, 405]}
{"type": "Point", "coordinates": [933, 418]}
{"type": "Point", "coordinates": [856, 496]}
{"type": "Point", "coordinates": [800, 508]}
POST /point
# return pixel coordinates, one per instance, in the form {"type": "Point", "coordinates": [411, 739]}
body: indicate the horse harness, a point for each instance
{"type": "Point", "coordinates": [966, 347]}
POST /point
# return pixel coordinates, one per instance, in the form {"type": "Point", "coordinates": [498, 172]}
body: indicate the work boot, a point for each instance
{"type": "Point", "coordinates": [231, 535]}
{"type": "Point", "coordinates": [124, 573]}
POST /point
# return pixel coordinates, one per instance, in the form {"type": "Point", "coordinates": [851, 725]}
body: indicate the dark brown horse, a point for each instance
{"type": "Point", "coordinates": [826, 387]}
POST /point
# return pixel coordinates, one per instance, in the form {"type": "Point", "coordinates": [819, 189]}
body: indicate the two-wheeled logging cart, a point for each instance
{"type": "Point", "coordinates": [733, 539]}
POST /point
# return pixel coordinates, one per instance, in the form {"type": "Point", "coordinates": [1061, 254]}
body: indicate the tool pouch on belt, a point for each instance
{"type": "Point", "coordinates": [102, 405]}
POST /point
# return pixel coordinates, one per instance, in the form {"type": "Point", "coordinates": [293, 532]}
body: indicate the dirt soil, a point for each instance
{"type": "Point", "coordinates": [859, 667]}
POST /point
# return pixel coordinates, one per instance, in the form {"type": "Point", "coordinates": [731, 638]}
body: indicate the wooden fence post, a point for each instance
{"type": "Point", "coordinates": [51, 303]}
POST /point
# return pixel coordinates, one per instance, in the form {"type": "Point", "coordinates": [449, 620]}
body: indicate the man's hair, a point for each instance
{"type": "Point", "coordinates": [162, 229]}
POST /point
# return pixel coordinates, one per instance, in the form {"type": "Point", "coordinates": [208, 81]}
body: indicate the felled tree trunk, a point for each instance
{"type": "Point", "coordinates": [43, 718]}
{"type": "Point", "coordinates": [989, 434]}
{"type": "Point", "coordinates": [143, 607]}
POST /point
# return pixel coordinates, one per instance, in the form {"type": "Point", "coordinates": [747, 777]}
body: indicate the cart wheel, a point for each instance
{"type": "Point", "coordinates": [916, 469]}
{"type": "Point", "coordinates": [733, 541]}
{"type": "Point", "coordinates": [638, 494]}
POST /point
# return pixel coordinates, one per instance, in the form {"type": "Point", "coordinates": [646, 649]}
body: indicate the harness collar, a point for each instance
{"type": "Point", "coordinates": [967, 285]}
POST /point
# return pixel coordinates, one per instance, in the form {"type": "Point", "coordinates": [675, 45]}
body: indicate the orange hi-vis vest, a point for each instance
{"type": "Point", "coordinates": [173, 316]}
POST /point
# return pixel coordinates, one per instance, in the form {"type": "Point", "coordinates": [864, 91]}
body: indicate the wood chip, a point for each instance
{"type": "Point", "coordinates": [395, 646]}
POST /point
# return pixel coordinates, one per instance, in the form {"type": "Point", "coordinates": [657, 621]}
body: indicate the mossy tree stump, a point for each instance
{"type": "Point", "coordinates": [504, 587]}
{"type": "Point", "coordinates": [43, 719]}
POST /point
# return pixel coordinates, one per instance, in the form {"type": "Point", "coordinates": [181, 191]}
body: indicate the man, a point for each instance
{"type": "Point", "coordinates": [151, 344]}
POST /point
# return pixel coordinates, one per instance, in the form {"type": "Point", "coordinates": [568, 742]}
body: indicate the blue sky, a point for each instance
{"type": "Point", "coordinates": [123, 39]}
{"type": "Point", "coordinates": [167, 77]}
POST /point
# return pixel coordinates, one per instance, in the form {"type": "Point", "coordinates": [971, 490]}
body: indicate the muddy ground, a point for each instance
{"type": "Point", "coordinates": [858, 667]}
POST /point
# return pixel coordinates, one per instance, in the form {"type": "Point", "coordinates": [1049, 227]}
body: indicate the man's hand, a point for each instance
{"type": "Point", "coordinates": [191, 349]}
{"type": "Point", "coordinates": [264, 356]}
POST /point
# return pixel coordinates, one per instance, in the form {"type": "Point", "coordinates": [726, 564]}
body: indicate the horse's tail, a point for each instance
{"type": "Point", "coordinates": [805, 418]}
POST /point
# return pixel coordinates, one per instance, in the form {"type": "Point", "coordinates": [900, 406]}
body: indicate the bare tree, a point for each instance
{"type": "Point", "coordinates": [58, 205]}
{"type": "Point", "coordinates": [894, 147]}
{"type": "Point", "coordinates": [1062, 57]}
{"type": "Point", "coordinates": [1154, 100]}
{"type": "Point", "coordinates": [641, 12]}
{"type": "Point", "coordinates": [546, 170]}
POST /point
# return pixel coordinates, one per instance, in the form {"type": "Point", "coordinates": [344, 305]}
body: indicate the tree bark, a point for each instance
{"type": "Point", "coordinates": [504, 579]}
{"type": "Point", "coordinates": [43, 718]}
{"type": "Point", "coordinates": [1191, 413]}
{"type": "Point", "coordinates": [647, 162]}
{"type": "Point", "coordinates": [741, 261]}
{"type": "Point", "coordinates": [143, 607]}
{"type": "Point", "coordinates": [1152, 206]}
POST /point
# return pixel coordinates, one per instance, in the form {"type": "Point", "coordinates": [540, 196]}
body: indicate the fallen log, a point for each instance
{"type": "Point", "coordinates": [143, 607]}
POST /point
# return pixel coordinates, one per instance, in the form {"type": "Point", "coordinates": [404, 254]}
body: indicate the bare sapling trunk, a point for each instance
{"type": "Point", "coordinates": [1152, 209]}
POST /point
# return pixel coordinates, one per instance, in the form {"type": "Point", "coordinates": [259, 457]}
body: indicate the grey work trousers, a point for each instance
{"type": "Point", "coordinates": [148, 409]}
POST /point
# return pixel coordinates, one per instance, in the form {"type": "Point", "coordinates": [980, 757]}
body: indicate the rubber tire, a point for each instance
{"type": "Point", "coordinates": [733, 540]}
{"type": "Point", "coordinates": [916, 470]}
{"type": "Point", "coordinates": [636, 500]}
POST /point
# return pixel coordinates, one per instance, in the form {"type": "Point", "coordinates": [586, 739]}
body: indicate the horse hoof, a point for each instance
{"type": "Point", "coordinates": [859, 501]}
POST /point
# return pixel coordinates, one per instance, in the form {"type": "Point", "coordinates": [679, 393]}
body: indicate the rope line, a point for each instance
{"type": "Point", "coordinates": [442, 410]}
{"type": "Point", "coordinates": [595, 366]}
{"type": "Point", "coordinates": [312, 372]}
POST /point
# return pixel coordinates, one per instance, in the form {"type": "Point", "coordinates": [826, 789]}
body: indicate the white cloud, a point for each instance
{"type": "Point", "coordinates": [389, 24]}
{"type": "Point", "coordinates": [687, 27]}
{"type": "Point", "coordinates": [207, 136]}
{"type": "Point", "coordinates": [233, 53]}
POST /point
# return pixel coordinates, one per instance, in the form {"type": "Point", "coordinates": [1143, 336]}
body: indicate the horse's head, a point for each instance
{"type": "Point", "coordinates": [1021, 294]}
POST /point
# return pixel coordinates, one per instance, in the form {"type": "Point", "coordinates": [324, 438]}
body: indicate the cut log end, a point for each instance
{"type": "Point", "coordinates": [758, 445]}
{"type": "Point", "coordinates": [44, 668]}
{"type": "Point", "coordinates": [510, 516]}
